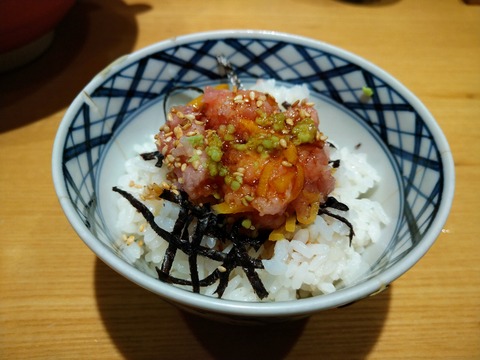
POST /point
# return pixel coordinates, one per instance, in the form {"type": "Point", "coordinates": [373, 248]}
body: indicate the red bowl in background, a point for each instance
{"type": "Point", "coordinates": [26, 28]}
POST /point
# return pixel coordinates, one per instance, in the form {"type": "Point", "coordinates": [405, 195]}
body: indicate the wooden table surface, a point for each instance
{"type": "Point", "coordinates": [58, 301]}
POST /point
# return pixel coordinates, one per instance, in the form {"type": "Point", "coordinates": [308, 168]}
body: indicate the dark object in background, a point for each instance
{"type": "Point", "coordinates": [26, 29]}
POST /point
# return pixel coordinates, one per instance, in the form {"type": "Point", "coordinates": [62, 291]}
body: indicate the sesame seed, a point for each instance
{"type": "Point", "coordinates": [259, 103]}
{"type": "Point", "coordinates": [190, 117]}
{"type": "Point", "coordinates": [180, 180]}
{"type": "Point", "coordinates": [286, 163]}
{"type": "Point", "coordinates": [199, 152]}
{"type": "Point", "coordinates": [178, 164]}
{"type": "Point", "coordinates": [192, 133]}
{"type": "Point", "coordinates": [178, 132]}
{"type": "Point", "coordinates": [183, 167]}
{"type": "Point", "coordinates": [165, 185]}
{"type": "Point", "coordinates": [283, 143]}
{"type": "Point", "coordinates": [168, 139]}
{"type": "Point", "coordinates": [170, 158]}
{"type": "Point", "coordinates": [180, 115]}
{"type": "Point", "coordinates": [262, 97]}
{"type": "Point", "coordinates": [289, 121]}
{"type": "Point", "coordinates": [170, 117]}
{"type": "Point", "coordinates": [252, 95]}
{"type": "Point", "coordinates": [241, 170]}
{"type": "Point", "coordinates": [164, 150]}
{"type": "Point", "coordinates": [221, 268]}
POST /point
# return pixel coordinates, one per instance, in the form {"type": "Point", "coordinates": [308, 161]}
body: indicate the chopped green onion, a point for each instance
{"type": "Point", "coordinates": [195, 140]}
{"type": "Point", "coordinates": [367, 91]}
{"type": "Point", "coordinates": [247, 223]}
{"type": "Point", "coordinates": [235, 185]}
{"type": "Point", "coordinates": [304, 131]}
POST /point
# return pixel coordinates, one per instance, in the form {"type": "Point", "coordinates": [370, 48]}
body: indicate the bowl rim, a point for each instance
{"type": "Point", "coordinates": [256, 309]}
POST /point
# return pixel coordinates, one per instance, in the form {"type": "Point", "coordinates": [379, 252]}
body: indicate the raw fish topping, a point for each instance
{"type": "Point", "coordinates": [248, 156]}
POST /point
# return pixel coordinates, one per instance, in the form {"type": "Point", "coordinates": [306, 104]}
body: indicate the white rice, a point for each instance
{"type": "Point", "coordinates": [318, 260]}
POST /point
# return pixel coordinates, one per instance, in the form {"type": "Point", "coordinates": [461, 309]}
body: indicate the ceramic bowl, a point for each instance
{"type": "Point", "coordinates": [120, 106]}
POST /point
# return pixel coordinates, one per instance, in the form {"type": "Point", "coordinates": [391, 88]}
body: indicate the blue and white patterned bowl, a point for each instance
{"type": "Point", "coordinates": [117, 109]}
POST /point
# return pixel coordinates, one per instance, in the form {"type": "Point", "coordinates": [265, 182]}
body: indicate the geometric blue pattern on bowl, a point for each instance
{"type": "Point", "coordinates": [138, 81]}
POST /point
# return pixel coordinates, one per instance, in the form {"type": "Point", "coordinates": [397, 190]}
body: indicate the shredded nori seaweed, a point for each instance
{"type": "Point", "coordinates": [330, 144]}
{"type": "Point", "coordinates": [154, 155]}
{"type": "Point", "coordinates": [333, 203]}
{"type": "Point", "coordinates": [227, 70]}
{"type": "Point", "coordinates": [205, 223]}
{"type": "Point", "coordinates": [334, 163]}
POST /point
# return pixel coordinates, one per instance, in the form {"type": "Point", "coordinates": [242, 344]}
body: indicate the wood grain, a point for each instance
{"type": "Point", "coordinates": [57, 301]}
